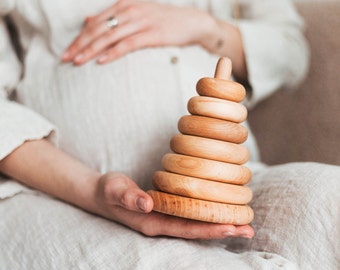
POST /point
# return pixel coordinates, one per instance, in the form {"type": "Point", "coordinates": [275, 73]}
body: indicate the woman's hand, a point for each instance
{"type": "Point", "coordinates": [141, 24]}
{"type": "Point", "coordinates": [118, 198]}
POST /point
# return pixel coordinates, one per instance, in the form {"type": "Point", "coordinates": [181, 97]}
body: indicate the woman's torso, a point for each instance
{"type": "Point", "coordinates": [119, 116]}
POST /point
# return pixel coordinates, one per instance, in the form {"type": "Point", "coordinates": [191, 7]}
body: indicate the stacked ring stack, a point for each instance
{"type": "Point", "coordinates": [205, 177]}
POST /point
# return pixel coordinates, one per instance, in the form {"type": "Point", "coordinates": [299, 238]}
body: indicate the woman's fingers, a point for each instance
{"type": "Point", "coordinates": [100, 31]}
{"type": "Point", "coordinates": [127, 45]}
{"type": "Point", "coordinates": [192, 229]}
{"type": "Point", "coordinates": [86, 38]}
{"type": "Point", "coordinates": [157, 224]}
{"type": "Point", "coordinates": [94, 27]}
{"type": "Point", "coordinates": [137, 25]}
{"type": "Point", "coordinates": [98, 39]}
{"type": "Point", "coordinates": [110, 40]}
{"type": "Point", "coordinates": [130, 25]}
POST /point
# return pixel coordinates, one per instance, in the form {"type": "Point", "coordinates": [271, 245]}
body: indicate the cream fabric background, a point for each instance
{"type": "Point", "coordinates": [123, 121]}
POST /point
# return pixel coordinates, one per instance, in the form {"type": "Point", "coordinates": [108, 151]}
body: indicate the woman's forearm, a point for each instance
{"type": "Point", "coordinates": [224, 39]}
{"type": "Point", "coordinates": [42, 166]}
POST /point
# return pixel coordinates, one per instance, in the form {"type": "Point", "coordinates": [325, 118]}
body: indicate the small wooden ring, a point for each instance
{"type": "Point", "coordinates": [209, 148]}
{"type": "Point", "coordinates": [219, 88]}
{"type": "Point", "coordinates": [201, 189]}
{"type": "Point", "coordinates": [217, 108]}
{"type": "Point", "coordinates": [201, 210]}
{"type": "Point", "coordinates": [212, 128]}
{"type": "Point", "coordinates": [206, 169]}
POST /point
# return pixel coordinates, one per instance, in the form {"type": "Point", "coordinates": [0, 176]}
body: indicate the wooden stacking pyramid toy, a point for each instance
{"type": "Point", "coordinates": [204, 178]}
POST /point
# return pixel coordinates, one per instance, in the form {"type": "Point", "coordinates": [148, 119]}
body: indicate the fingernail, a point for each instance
{"type": "Point", "coordinates": [79, 58]}
{"type": "Point", "coordinates": [66, 56]}
{"type": "Point", "coordinates": [228, 233]}
{"type": "Point", "coordinates": [247, 235]}
{"type": "Point", "coordinates": [141, 203]}
{"type": "Point", "coordinates": [102, 59]}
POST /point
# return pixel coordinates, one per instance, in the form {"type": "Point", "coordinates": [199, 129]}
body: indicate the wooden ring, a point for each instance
{"type": "Point", "coordinates": [217, 108]}
{"type": "Point", "coordinates": [201, 210]}
{"type": "Point", "coordinates": [212, 128]}
{"type": "Point", "coordinates": [206, 169]}
{"type": "Point", "coordinates": [201, 189]}
{"type": "Point", "coordinates": [209, 149]}
{"type": "Point", "coordinates": [219, 88]}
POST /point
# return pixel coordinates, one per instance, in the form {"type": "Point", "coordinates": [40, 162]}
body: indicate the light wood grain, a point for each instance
{"type": "Point", "coordinates": [209, 149]}
{"type": "Point", "coordinates": [219, 88]}
{"type": "Point", "coordinates": [223, 68]}
{"type": "Point", "coordinates": [201, 189]}
{"type": "Point", "coordinates": [206, 169]}
{"type": "Point", "coordinates": [212, 128]}
{"type": "Point", "coordinates": [217, 108]}
{"type": "Point", "coordinates": [201, 210]}
{"type": "Point", "coordinates": [205, 179]}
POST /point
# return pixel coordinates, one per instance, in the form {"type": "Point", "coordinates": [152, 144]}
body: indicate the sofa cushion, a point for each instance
{"type": "Point", "coordinates": [304, 125]}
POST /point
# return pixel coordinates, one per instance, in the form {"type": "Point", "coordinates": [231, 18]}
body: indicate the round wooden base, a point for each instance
{"type": "Point", "coordinates": [201, 210]}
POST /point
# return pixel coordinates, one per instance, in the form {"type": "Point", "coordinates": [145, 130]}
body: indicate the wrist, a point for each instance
{"type": "Point", "coordinates": [212, 35]}
{"type": "Point", "coordinates": [225, 39]}
{"type": "Point", "coordinates": [86, 191]}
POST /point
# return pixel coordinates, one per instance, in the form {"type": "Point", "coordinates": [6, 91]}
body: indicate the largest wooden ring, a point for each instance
{"type": "Point", "coordinates": [201, 210]}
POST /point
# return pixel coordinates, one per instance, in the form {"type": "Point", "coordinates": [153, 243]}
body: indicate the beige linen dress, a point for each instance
{"type": "Point", "coordinates": [120, 116]}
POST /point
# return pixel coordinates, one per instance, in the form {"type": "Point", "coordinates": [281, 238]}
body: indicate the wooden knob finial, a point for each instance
{"type": "Point", "coordinates": [223, 69]}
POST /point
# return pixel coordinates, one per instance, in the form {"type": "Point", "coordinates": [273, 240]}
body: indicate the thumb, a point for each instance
{"type": "Point", "coordinates": [123, 191]}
